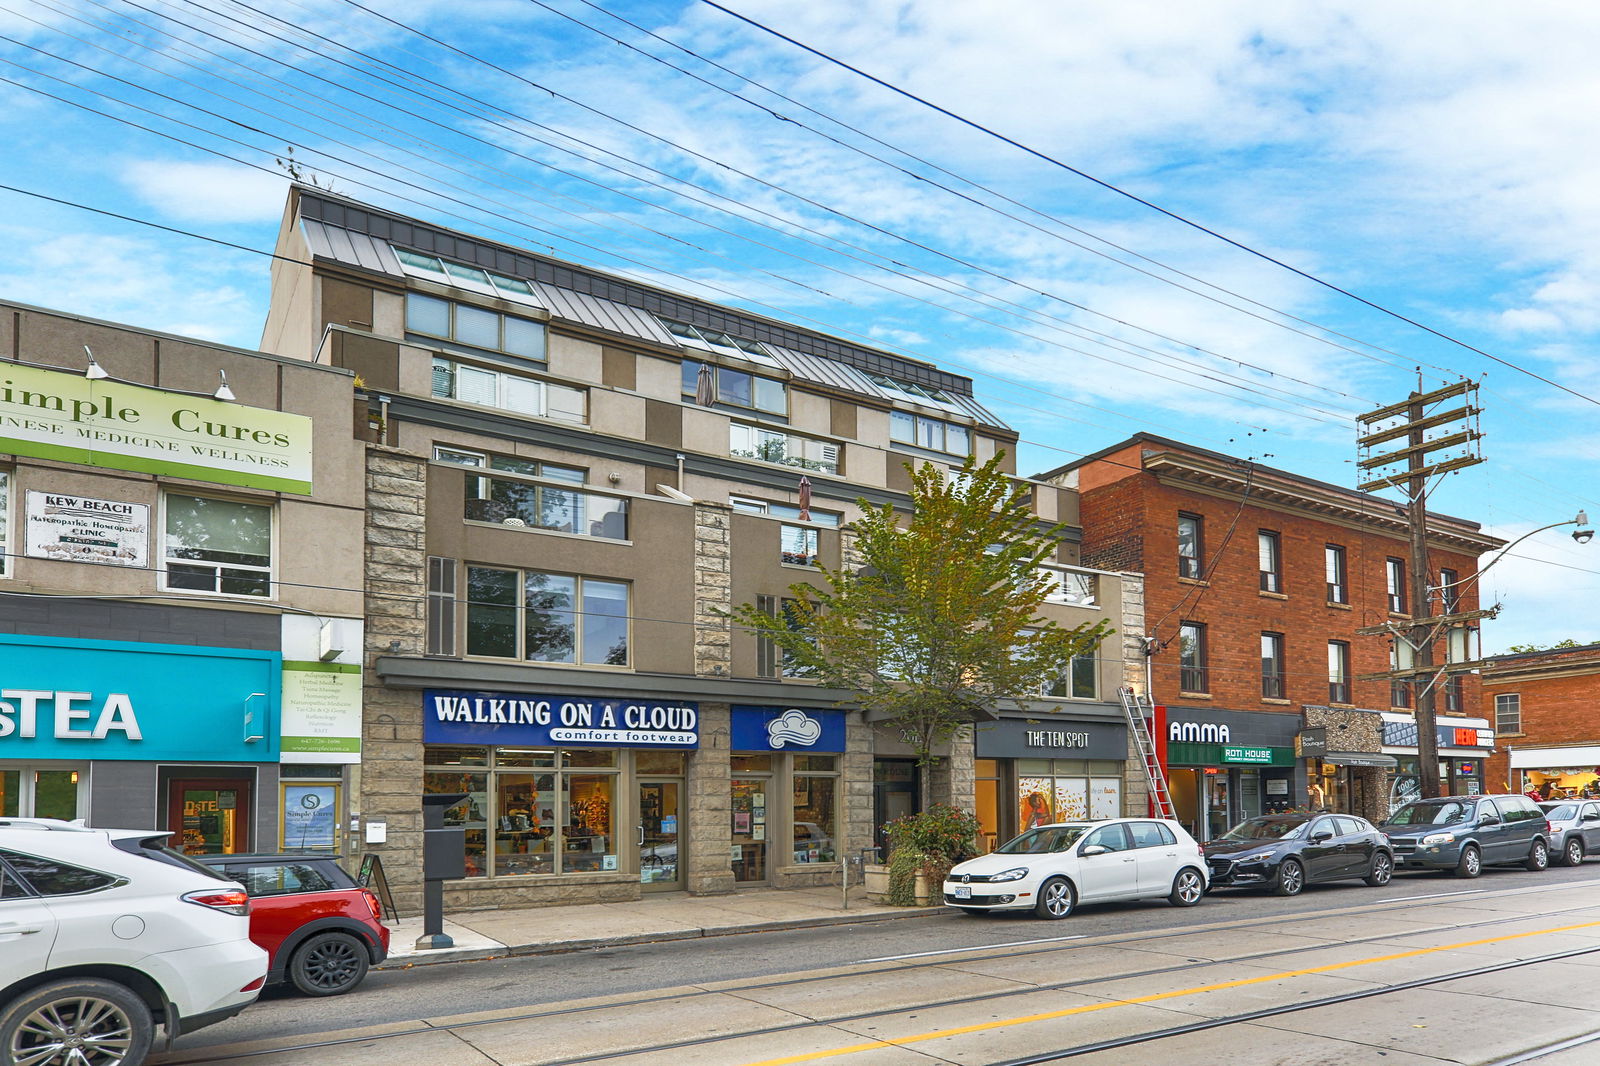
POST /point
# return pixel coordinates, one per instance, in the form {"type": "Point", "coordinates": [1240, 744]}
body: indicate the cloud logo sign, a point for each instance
{"type": "Point", "coordinates": [794, 727]}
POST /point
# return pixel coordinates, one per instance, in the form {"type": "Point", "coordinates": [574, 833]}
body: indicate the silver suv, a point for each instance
{"type": "Point", "coordinates": [107, 933]}
{"type": "Point", "coordinates": [1466, 833]}
{"type": "Point", "coordinates": [1574, 828]}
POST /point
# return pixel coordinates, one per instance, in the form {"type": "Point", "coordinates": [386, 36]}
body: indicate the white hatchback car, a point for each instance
{"type": "Point", "coordinates": [107, 933]}
{"type": "Point", "coordinates": [1052, 869]}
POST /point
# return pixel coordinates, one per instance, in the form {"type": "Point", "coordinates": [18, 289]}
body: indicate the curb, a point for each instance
{"type": "Point", "coordinates": [444, 955]}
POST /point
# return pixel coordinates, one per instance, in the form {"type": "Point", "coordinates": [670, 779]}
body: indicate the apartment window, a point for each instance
{"type": "Point", "coordinates": [508, 392]}
{"type": "Point", "coordinates": [1190, 546]}
{"type": "Point", "coordinates": [1455, 695]}
{"type": "Point", "coordinates": [785, 449]}
{"type": "Point", "coordinates": [221, 546]}
{"type": "Point", "coordinates": [1269, 558]}
{"type": "Point", "coordinates": [1272, 666]}
{"type": "Point", "coordinates": [1077, 682]}
{"type": "Point", "coordinates": [1338, 671]}
{"type": "Point", "coordinates": [475, 327]}
{"type": "Point", "coordinates": [1192, 657]}
{"type": "Point", "coordinates": [1449, 591]}
{"type": "Point", "coordinates": [1072, 587]}
{"type": "Point", "coordinates": [798, 545]}
{"type": "Point", "coordinates": [1337, 576]}
{"type": "Point", "coordinates": [786, 511]}
{"type": "Point", "coordinates": [931, 433]}
{"type": "Point", "coordinates": [5, 523]}
{"type": "Point", "coordinates": [771, 661]}
{"type": "Point", "coordinates": [1508, 712]}
{"type": "Point", "coordinates": [547, 618]}
{"type": "Point", "coordinates": [738, 388]}
{"type": "Point", "coordinates": [1395, 570]}
{"type": "Point", "coordinates": [556, 508]}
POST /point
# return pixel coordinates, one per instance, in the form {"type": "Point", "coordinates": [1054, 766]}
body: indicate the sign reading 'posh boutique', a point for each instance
{"type": "Point", "coordinates": [502, 719]}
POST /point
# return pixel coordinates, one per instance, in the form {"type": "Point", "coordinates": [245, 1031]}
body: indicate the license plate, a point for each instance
{"type": "Point", "coordinates": [963, 892]}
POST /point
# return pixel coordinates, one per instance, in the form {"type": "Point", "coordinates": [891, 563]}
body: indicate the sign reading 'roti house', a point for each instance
{"type": "Point", "coordinates": [50, 414]}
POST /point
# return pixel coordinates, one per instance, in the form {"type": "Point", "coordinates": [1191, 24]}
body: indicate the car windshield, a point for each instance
{"type": "Point", "coordinates": [1564, 813]}
{"type": "Point", "coordinates": [1440, 812]}
{"type": "Point", "coordinates": [1042, 841]}
{"type": "Point", "coordinates": [1268, 827]}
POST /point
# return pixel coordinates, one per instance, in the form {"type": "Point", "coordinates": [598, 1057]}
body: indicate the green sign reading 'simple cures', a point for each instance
{"type": "Point", "coordinates": [51, 414]}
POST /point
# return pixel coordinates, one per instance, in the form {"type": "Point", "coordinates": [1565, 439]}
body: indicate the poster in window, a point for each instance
{"type": "Point", "coordinates": [741, 821]}
{"type": "Point", "coordinates": [310, 817]}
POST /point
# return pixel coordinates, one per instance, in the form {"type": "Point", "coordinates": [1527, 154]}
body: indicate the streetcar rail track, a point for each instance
{"type": "Point", "coordinates": [980, 954]}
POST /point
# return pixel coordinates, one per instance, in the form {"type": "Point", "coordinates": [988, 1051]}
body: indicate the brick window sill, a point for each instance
{"type": "Point", "coordinates": [1195, 695]}
{"type": "Point", "coordinates": [1340, 606]}
{"type": "Point", "coordinates": [1198, 582]}
{"type": "Point", "coordinates": [1264, 594]}
{"type": "Point", "coordinates": [1277, 703]}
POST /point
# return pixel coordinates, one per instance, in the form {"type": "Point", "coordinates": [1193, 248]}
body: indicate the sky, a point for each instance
{"type": "Point", "coordinates": [1078, 205]}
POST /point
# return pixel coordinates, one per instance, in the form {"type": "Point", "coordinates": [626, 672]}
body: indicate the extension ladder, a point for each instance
{"type": "Point", "coordinates": [1140, 713]}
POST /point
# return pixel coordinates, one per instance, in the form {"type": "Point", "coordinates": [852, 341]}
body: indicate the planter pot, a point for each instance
{"type": "Point", "coordinates": [875, 877]}
{"type": "Point", "coordinates": [924, 889]}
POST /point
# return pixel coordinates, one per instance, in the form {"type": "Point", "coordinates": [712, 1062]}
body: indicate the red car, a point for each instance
{"type": "Point", "coordinates": [321, 929]}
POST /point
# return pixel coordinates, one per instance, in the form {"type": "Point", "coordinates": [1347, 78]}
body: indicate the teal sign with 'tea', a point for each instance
{"type": "Point", "coordinates": [105, 699]}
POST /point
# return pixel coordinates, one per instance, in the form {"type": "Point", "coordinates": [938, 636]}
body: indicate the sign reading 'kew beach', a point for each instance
{"type": "Point", "coordinates": [50, 414]}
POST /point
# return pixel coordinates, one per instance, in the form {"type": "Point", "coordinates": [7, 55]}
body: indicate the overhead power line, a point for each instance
{"type": "Point", "coordinates": [1108, 186]}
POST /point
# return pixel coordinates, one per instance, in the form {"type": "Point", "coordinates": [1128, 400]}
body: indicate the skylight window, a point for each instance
{"type": "Point", "coordinates": [466, 277]}
{"type": "Point", "coordinates": [912, 391]}
{"type": "Point", "coordinates": [711, 341]}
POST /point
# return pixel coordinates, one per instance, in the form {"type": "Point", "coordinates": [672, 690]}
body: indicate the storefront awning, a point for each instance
{"type": "Point", "coordinates": [1359, 758]}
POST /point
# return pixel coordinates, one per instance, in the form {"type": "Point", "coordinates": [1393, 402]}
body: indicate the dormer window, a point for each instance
{"type": "Point", "coordinates": [710, 340]}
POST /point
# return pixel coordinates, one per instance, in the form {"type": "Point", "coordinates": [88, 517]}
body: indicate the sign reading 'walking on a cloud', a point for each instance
{"type": "Point", "coordinates": [52, 414]}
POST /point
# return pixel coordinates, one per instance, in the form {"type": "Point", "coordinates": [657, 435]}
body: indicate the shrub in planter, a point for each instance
{"type": "Point", "coordinates": [929, 842]}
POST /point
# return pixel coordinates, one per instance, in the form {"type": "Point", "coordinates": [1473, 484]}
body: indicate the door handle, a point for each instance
{"type": "Point", "coordinates": [12, 929]}
{"type": "Point", "coordinates": [1130, 859]}
{"type": "Point", "coordinates": [641, 836]}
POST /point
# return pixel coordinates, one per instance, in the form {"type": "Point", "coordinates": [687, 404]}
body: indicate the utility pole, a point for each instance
{"type": "Point", "coordinates": [1416, 416]}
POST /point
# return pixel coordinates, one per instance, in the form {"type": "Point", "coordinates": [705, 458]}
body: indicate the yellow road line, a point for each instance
{"type": "Point", "coordinates": [1155, 997]}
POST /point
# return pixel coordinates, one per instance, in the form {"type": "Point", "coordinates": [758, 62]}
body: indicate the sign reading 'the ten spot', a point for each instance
{"type": "Point", "coordinates": [50, 414]}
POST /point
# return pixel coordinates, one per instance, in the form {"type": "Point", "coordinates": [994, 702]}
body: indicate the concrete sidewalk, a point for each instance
{"type": "Point", "coordinates": [669, 916]}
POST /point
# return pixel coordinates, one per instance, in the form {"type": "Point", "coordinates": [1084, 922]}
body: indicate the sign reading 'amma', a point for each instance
{"type": "Point", "coordinates": [50, 414]}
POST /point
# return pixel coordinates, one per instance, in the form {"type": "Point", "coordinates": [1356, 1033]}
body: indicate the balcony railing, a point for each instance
{"type": "Point", "coordinates": [535, 505]}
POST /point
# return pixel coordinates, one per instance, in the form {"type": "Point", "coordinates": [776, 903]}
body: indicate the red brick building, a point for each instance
{"type": "Point", "coordinates": [1544, 708]}
{"type": "Point", "coordinates": [1256, 582]}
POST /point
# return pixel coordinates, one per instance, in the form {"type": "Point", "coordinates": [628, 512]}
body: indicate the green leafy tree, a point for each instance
{"type": "Point", "coordinates": [938, 622]}
{"type": "Point", "coordinates": [1524, 649]}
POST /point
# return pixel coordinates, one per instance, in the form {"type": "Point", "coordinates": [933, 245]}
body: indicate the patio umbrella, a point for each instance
{"type": "Point", "coordinates": [705, 391]}
{"type": "Point", "coordinates": [805, 498]}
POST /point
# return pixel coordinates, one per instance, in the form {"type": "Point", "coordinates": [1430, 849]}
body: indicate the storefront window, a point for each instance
{"type": "Point", "coordinates": [1063, 790]}
{"type": "Point", "coordinates": [10, 793]}
{"type": "Point", "coordinates": [591, 823]}
{"type": "Point", "coordinates": [749, 830]}
{"type": "Point", "coordinates": [30, 793]}
{"type": "Point", "coordinates": [531, 810]}
{"type": "Point", "coordinates": [988, 795]}
{"type": "Point", "coordinates": [471, 814]}
{"type": "Point", "coordinates": [816, 782]}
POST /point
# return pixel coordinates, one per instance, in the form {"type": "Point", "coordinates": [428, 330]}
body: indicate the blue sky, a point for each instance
{"type": "Point", "coordinates": [1437, 162]}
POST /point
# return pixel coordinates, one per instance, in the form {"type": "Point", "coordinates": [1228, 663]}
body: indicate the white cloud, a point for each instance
{"type": "Point", "coordinates": [207, 192]}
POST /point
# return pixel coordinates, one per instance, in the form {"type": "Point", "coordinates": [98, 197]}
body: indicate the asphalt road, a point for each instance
{"type": "Point", "coordinates": [451, 988]}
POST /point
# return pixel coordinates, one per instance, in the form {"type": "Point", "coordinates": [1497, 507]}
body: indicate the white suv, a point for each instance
{"type": "Point", "coordinates": [106, 933]}
{"type": "Point", "coordinates": [1053, 868]}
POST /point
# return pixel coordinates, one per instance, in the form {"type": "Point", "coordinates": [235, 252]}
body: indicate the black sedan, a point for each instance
{"type": "Point", "coordinates": [1286, 852]}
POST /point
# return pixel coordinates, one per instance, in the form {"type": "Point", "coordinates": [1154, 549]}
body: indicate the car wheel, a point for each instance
{"type": "Point", "coordinates": [1291, 878]}
{"type": "Point", "coordinates": [1382, 870]}
{"type": "Point", "coordinates": [1471, 863]}
{"type": "Point", "coordinates": [328, 964]}
{"type": "Point", "coordinates": [1572, 853]}
{"type": "Point", "coordinates": [1057, 899]}
{"type": "Point", "coordinates": [70, 1022]}
{"type": "Point", "coordinates": [1187, 888]}
{"type": "Point", "coordinates": [1538, 857]}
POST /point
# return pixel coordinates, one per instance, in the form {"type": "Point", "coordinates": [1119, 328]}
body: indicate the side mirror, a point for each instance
{"type": "Point", "coordinates": [1591, 817]}
{"type": "Point", "coordinates": [1320, 835]}
{"type": "Point", "coordinates": [1488, 819]}
{"type": "Point", "coordinates": [1094, 849]}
